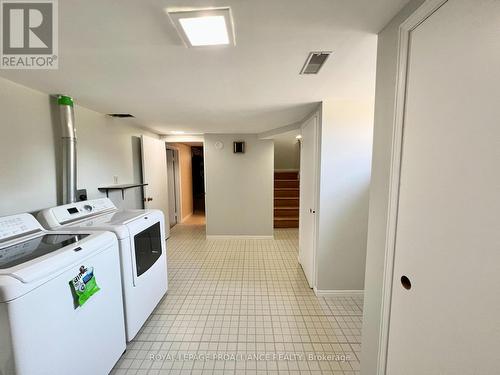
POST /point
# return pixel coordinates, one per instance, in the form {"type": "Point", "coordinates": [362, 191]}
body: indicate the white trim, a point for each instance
{"type": "Point", "coordinates": [238, 237]}
{"type": "Point", "coordinates": [414, 20]}
{"type": "Point", "coordinates": [339, 293]}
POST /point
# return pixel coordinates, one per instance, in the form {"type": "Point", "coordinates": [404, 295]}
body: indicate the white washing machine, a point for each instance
{"type": "Point", "coordinates": [143, 255]}
{"type": "Point", "coordinates": [45, 328]}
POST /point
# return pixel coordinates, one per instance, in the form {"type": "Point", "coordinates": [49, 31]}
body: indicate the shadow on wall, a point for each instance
{"type": "Point", "coordinates": [347, 233]}
{"type": "Point", "coordinates": [137, 164]}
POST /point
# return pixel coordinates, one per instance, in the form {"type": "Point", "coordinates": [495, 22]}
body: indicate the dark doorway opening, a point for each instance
{"type": "Point", "coordinates": [198, 180]}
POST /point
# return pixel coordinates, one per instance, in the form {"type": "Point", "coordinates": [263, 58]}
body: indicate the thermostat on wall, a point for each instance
{"type": "Point", "coordinates": [239, 147]}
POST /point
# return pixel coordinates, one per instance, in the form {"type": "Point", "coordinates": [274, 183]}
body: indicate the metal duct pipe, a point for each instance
{"type": "Point", "coordinates": [67, 114]}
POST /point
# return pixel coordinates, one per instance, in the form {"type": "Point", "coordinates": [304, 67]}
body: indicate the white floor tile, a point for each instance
{"type": "Point", "coordinates": [243, 307]}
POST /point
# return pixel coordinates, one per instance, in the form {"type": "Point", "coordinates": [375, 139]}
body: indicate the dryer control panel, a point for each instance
{"type": "Point", "coordinates": [55, 217]}
{"type": "Point", "coordinates": [17, 225]}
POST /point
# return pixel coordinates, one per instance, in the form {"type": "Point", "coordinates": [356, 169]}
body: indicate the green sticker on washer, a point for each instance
{"type": "Point", "coordinates": [84, 285]}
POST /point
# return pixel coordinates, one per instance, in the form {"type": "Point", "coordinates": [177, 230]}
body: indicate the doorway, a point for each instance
{"type": "Point", "coordinates": [296, 188]}
{"type": "Point", "coordinates": [198, 177]}
{"type": "Point", "coordinates": [286, 180]}
{"type": "Point", "coordinates": [186, 183]}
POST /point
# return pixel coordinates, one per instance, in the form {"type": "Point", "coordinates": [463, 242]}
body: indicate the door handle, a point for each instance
{"type": "Point", "coordinates": [311, 211]}
{"type": "Point", "coordinates": [150, 199]}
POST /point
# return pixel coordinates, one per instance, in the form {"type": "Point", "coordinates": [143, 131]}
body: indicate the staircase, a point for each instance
{"type": "Point", "coordinates": [286, 199]}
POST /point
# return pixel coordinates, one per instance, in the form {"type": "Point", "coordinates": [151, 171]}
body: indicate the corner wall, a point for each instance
{"type": "Point", "coordinates": [346, 144]}
{"type": "Point", "coordinates": [379, 190]}
{"type": "Point", "coordinates": [239, 187]}
{"type": "Point", "coordinates": [30, 161]}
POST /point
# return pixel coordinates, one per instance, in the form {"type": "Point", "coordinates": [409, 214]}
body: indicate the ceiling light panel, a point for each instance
{"type": "Point", "coordinates": [203, 27]}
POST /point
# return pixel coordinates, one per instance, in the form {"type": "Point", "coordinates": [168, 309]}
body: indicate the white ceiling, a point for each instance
{"type": "Point", "coordinates": [125, 56]}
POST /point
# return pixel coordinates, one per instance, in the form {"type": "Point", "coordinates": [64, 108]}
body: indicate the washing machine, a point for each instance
{"type": "Point", "coordinates": [143, 253]}
{"type": "Point", "coordinates": [61, 307]}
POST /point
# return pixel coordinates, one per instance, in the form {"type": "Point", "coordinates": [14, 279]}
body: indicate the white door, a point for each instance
{"type": "Point", "coordinates": [172, 201]}
{"type": "Point", "coordinates": [154, 172]}
{"type": "Point", "coordinates": [308, 193]}
{"type": "Point", "coordinates": [445, 311]}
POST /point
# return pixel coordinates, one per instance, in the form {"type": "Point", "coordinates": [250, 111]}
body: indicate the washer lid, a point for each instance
{"type": "Point", "coordinates": [19, 280]}
{"type": "Point", "coordinates": [37, 259]}
{"type": "Point", "coordinates": [22, 252]}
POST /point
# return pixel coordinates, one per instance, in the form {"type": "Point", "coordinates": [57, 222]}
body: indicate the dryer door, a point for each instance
{"type": "Point", "coordinates": [148, 248]}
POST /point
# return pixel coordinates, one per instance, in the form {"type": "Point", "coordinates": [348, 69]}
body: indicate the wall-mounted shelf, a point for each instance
{"type": "Point", "coordinates": [122, 187]}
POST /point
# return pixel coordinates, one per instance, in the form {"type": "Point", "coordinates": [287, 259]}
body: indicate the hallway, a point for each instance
{"type": "Point", "coordinates": [234, 304]}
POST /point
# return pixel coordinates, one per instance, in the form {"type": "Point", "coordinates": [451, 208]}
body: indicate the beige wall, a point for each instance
{"type": "Point", "coordinates": [239, 187]}
{"type": "Point", "coordinates": [286, 152]}
{"type": "Point", "coordinates": [346, 144]}
{"type": "Point", "coordinates": [30, 160]}
{"type": "Point", "coordinates": [379, 188]}
{"type": "Point", "coordinates": [186, 179]}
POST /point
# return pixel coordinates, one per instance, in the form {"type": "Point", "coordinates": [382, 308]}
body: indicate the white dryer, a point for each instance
{"type": "Point", "coordinates": [143, 255]}
{"type": "Point", "coordinates": [44, 328]}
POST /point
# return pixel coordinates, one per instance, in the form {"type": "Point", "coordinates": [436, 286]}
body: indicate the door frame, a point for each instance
{"type": "Point", "coordinates": [317, 170]}
{"type": "Point", "coordinates": [177, 178]}
{"type": "Point", "coordinates": [405, 29]}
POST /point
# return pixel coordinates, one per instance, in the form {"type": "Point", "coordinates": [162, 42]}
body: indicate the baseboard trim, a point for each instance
{"type": "Point", "coordinates": [338, 293]}
{"type": "Point", "coordinates": [238, 237]}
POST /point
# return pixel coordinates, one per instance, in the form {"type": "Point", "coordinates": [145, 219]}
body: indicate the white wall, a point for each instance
{"type": "Point", "coordinates": [346, 145]}
{"type": "Point", "coordinates": [286, 151]}
{"type": "Point", "coordinates": [239, 187]}
{"type": "Point", "coordinates": [379, 189]}
{"type": "Point", "coordinates": [30, 160]}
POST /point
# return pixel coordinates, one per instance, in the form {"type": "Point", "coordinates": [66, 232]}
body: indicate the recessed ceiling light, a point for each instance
{"type": "Point", "coordinates": [298, 137]}
{"type": "Point", "coordinates": [178, 132]}
{"type": "Point", "coordinates": [203, 27]}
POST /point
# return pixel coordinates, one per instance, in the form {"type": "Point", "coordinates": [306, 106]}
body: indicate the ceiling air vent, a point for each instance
{"type": "Point", "coordinates": [314, 62]}
{"type": "Point", "coordinates": [120, 115]}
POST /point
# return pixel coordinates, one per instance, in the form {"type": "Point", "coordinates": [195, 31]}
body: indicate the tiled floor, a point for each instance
{"type": "Point", "coordinates": [243, 307]}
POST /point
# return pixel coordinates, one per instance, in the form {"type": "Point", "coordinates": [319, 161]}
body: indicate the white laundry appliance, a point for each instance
{"type": "Point", "coordinates": [142, 242]}
{"type": "Point", "coordinates": [45, 327]}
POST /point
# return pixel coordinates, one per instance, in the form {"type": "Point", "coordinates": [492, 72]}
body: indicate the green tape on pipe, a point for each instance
{"type": "Point", "coordinates": [65, 100]}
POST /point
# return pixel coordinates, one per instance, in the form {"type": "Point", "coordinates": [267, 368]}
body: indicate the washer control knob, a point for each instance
{"type": "Point", "coordinates": [88, 207]}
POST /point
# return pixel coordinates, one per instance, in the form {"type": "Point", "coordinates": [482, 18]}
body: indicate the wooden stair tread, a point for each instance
{"type": "Point", "coordinates": [284, 218]}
